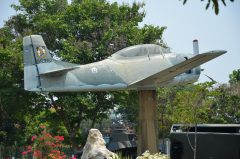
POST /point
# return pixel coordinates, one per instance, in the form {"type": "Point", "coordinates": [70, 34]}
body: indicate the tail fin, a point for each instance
{"type": "Point", "coordinates": [39, 67]}
{"type": "Point", "coordinates": [35, 52]}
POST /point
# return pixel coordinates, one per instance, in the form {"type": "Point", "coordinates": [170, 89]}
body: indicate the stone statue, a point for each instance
{"type": "Point", "coordinates": [95, 147]}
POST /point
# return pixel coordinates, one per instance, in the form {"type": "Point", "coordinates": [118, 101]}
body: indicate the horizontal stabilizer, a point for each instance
{"type": "Point", "coordinates": [58, 72]}
{"type": "Point", "coordinates": [178, 69]}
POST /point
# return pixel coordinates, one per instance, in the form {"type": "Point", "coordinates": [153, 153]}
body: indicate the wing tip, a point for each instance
{"type": "Point", "coordinates": [222, 51]}
{"type": "Point", "coordinates": [214, 53]}
{"type": "Point", "coordinates": [218, 52]}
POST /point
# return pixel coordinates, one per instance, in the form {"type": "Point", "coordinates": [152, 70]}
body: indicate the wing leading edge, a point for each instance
{"type": "Point", "coordinates": [178, 69]}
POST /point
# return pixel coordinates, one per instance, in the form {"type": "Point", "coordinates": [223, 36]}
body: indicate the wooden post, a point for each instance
{"type": "Point", "coordinates": [148, 125]}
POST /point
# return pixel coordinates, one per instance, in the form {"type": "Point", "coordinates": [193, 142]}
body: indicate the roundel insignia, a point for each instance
{"type": "Point", "coordinates": [94, 70]}
{"type": "Point", "coordinates": [41, 52]}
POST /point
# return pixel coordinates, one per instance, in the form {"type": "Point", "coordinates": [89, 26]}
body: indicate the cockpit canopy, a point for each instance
{"type": "Point", "coordinates": [140, 50]}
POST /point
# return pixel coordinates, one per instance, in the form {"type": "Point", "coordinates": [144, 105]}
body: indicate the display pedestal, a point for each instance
{"type": "Point", "coordinates": [148, 125]}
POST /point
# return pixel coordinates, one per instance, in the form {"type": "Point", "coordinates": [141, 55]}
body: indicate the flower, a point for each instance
{"type": "Point", "coordinates": [46, 146]}
{"type": "Point", "coordinates": [37, 153]}
{"type": "Point", "coordinates": [33, 138]}
{"type": "Point", "coordinates": [59, 138]}
{"type": "Point", "coordinates": [29, 147]}
{"type": "Point", "coordinates": [24, 152]}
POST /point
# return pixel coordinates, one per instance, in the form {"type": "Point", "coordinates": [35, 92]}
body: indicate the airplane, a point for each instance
{"type": "Point", "coordinates": [138, 67]}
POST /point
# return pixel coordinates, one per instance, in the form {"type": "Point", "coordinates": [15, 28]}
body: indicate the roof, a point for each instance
{"type": "Point", "coordinates": [209, 125]}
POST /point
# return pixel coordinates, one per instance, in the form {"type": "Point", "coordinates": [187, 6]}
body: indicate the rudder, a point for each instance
{"type": "Point", "coordinates": [35, 52]}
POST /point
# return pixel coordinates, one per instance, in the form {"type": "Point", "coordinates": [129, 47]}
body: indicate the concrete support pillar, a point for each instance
{"type": "Point", "coordinates": [148, 125]}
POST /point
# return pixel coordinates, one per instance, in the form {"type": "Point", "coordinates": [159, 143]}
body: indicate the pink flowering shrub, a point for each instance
{"type": "Point", "coordinates": [45, 146]}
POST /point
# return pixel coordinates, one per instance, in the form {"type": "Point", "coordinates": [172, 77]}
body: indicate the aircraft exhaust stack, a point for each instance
{"type": "Point", "coordinates": [197, 70]}
{"type": "Point", "coordinates": [195, 47]}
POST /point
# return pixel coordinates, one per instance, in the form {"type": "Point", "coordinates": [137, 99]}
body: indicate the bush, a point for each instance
{"type": "Point", "coordinates": [45, 146]}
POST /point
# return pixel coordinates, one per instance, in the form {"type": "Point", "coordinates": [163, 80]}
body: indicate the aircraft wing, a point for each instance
{"type": "Point", "coordinates": [177, 69]}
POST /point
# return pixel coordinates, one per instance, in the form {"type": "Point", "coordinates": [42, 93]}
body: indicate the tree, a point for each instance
{"type": "Point", "coordinates": [190, 106]}
{"type": "Point", "coordinates": [201, 103]}
{"type": "Point", "coordinates": [234, 77]}
{"type": "Point", "coordinates": [214, 3]}
{"type": "Point", "coordinates": [166, 106]}
{"type": "Point", "coordinates": [81, 32]}
{"type": "Point", "coordinates": [226, 105]}
{"type": "Point", "coordinates": [14, 101]}
{"type": "Point", "coordinates": [193, 104]}
{"type": "Point", "coordinates": [128, 106]}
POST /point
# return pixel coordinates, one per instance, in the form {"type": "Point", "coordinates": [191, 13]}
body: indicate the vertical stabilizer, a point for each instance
{"type": "Point", "coordinates": [35, 52]}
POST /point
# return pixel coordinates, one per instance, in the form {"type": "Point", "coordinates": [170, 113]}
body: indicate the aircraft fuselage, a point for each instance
{"type": "Point", "coordinates": [144, 66]}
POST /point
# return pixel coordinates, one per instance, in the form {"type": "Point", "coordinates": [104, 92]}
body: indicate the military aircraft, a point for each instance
{"type": "Point", "coordinates": [142, 67]}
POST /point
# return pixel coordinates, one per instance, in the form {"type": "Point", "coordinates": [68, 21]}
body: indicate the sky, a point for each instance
{"type": "Point", "coordinates": [184, 24]}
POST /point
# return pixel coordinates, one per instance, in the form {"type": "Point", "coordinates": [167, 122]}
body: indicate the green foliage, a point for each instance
{"type": "Point", "coordinates": [45, 117]}
{"type": "Point", "coordinates": [81, 32]}
{"type": "Point", "coordinates": [165, 97]}
{"type": "Point", "coordinates": [14, 101]}
{"type": "Point", "coordinates": [226, 105]}
{"type": "Point", "coordinates": [200, 103]}
{"type": "Point", "coordinates": [99, 29]}
{"type": "Point", "coordinates": [127, 105]}
{"type": "Point", "coordinates": [213, 3]}
{"type": "Point", "coordinates": [192, 104]}
{"type": "Point", "coordinates": [45, 145]}
{"type": "Point", "coordinates": [234, 77]}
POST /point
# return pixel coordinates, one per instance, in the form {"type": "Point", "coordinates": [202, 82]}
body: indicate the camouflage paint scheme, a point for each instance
{"type": "Point", "coordinates": [142, 67]}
